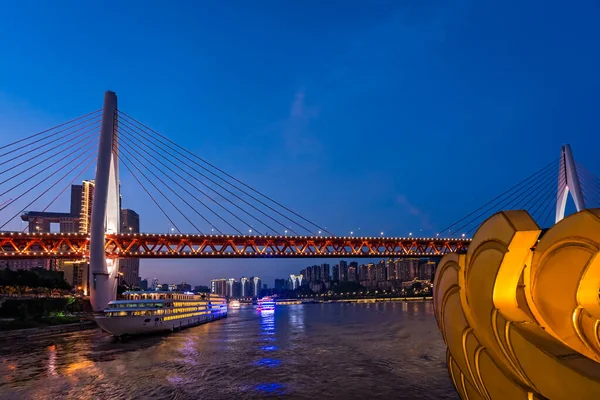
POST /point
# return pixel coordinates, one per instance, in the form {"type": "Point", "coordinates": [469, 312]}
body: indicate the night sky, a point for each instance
{"type": "Point", "coordinates": [393, 116]}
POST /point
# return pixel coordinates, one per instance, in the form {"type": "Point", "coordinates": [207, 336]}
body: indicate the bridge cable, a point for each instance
{"type": "Point", "coordinates": [225, 189]}
{"type": "Point", "coordinates": [190, 184]}
{"type": "Point", "coordinates": [544, 183]}
{"type": "Point", "coordinates": [230, 176]}
{"type": "Point", "coordinates": [37, 184]}
{"type": "Point", "coordinates": [217, 192]}
{"type": "Point", "coordinates": [562, 181]}
{"type": "Point", "coordinates": [201, 191]}
{"type": "Point", "coordinates": [204, 193]}
{"type": "Point", "coordinates": [546, 200]}
{"type": "Point", "coordinates": [89, 140]}
{"type": "Point", "coordinates": [45, 144]}
{"type": "Point", "coordinates": [45, 169]}
{"type": "Point", "coordinates": [66, 187]}
{"type": "Point", "coordinates": [130, 153]}
{"type": "Point", "coordinates": [148, 193]}
{"type": "Point", "coordinates": [47, 130]}
{"type": "Point", "coordinates": [495, 200]}
{"type": "Point", "coordinates": [125, 157]}
{"type": "Point", "coordinates": [585, 176]}
{"type": "Point", "coordinates": [46, 191]}
{"type": "Point", "coordinates": [535, 193]}
{"type": "Point", "coordinates": [560, 187]}
{"type": "Point", "coordinates": [49, 150]}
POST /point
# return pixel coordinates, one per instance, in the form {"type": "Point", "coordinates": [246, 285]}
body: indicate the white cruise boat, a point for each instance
{"type": "Point", "coordinates": [145, 312]}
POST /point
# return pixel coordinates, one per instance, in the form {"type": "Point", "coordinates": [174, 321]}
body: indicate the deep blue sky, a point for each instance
{"type": "Point", "coordinates": [391, 116]}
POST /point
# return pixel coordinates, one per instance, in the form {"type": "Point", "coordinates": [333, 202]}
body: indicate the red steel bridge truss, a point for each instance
{"type": "Point", "coordinates": [76, 246]}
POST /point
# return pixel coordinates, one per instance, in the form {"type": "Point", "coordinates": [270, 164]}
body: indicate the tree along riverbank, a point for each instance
{"type": "Point", "coordinates": [27, 313]}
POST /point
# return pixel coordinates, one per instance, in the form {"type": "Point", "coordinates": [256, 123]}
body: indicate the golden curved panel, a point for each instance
{"type": "Point", "coordinates": [520, 311]}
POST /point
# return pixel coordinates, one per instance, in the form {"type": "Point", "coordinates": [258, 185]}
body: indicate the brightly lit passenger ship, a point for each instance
{"type": "Point", "coordinates": [145, 312]}
{"type": "Point", "coordinates": [266, 304]}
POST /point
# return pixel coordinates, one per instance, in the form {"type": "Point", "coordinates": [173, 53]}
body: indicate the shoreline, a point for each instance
{"type": "Point", "coordinates": [53, 330]}
{"type": "Point", "coordinates": [362, 300]}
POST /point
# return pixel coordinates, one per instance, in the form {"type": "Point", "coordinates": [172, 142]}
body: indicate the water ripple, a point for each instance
{"type": "Point", "coordinates": [338, 351]}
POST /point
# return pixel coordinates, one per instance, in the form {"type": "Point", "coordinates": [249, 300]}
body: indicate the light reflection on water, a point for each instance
{"type": "Point", "coordinates": [382, 350]}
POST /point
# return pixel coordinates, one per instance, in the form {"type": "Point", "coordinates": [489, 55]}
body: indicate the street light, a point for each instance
{"type": "Point", "coordinates": [381, 233]}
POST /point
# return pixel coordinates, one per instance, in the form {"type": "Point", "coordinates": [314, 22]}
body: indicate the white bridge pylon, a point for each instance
{"type": "Point", "coordinates": [106, 209]}
{"type": "Point", "coordinates": [568, 182]}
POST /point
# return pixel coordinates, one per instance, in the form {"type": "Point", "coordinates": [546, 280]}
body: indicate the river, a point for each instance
{"type": "Point", "coordinates": [313, 351]}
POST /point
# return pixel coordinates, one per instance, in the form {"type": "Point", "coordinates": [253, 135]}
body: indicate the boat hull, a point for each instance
{"type": "Point", "coordinates": [138, 325]}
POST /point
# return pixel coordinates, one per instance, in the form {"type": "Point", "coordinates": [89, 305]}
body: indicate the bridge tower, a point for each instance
{"type": "Point", "coordinates": [568, 182]}
{"type": "Point", "coordinates": [106, 208]}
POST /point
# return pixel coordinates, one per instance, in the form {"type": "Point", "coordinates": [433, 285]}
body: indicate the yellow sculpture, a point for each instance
{"type": "Point", "coordinates": [520, 312]}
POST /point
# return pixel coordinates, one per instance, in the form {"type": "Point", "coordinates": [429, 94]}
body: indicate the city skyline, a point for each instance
{"type": "Point", "coordinates": [302, 115]}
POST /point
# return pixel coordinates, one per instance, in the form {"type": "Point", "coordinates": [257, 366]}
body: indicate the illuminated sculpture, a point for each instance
{"type": "Point", "coordinates": [520, 312]}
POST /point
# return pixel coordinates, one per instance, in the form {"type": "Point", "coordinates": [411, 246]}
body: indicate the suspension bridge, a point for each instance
{"type": "Point", "coordinates": [211, 213]}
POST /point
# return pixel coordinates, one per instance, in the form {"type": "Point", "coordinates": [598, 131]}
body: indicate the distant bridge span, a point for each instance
{"type": "Point", "coordinates": [141, 245]}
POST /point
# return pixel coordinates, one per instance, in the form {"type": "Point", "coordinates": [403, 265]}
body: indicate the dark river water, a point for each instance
{"type": "Point", "coordinates": [313, 351]}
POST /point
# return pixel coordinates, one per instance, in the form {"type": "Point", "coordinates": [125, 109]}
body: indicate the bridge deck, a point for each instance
{"type": "Point", "coordinates": [139, 245]}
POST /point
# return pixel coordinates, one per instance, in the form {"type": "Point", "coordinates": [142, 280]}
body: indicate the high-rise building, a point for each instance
{"type": "Point", "coordinates": [130, 267]}
{"type": "Point", "coordinates": [316, 273]}
{"type": "Point", "coordinates": [335, 273]}
{"type": "Point", "coordinates": [308, 274]}
{"type": "Point", "coordinates": [363, 273]}
{"type": "Point", "coordinates": [426, 270]}
{"type": "Point", "coordinates": [144, 284]}
{"type": "Point", "coordinates": [231, 287]}
{"type": "Point", "coordinates": [325, 275]}
{"type": "Point", "coordinates": [87, 198]}
{"type": "Point", "coordinates": [391, 269]}
{"type": "Point", "coordinates": [380, 274]}
{"type": "Point", "coordinates": [408, 269]}
{"type": "Point", "coordinates": [343, 272]}
{"type": "Point", "coordinates": [41, 221]}
{"type": "Point", "coordinates": [219, 286]}
{"type": "Point", "coordinates": [76, 197]}
{"type": "Point", "coordinates": [372, 272]}
{"type": "Point", "coordinates": [352, 273]}
{"type": "Point", "coordinates": [255, 280]}
{"type": "Point", "coordinates": [280, 285]}
{"type": "Point", "coordinates": [77, 274]}
{"type": "Point", "coordinates": [245, 287]}
{"type": "Point", "coordinates": [293, 282]}
{"type": "Point", "coordinates": [27, 264]}
{"type": "Point", "coordinates": [397, 268]}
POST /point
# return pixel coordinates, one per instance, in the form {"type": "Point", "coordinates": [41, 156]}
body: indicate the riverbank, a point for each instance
{"type": "Point", "coordinates": [357, 300]}
{"type": "Point", "coordinates": [51, 330]}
